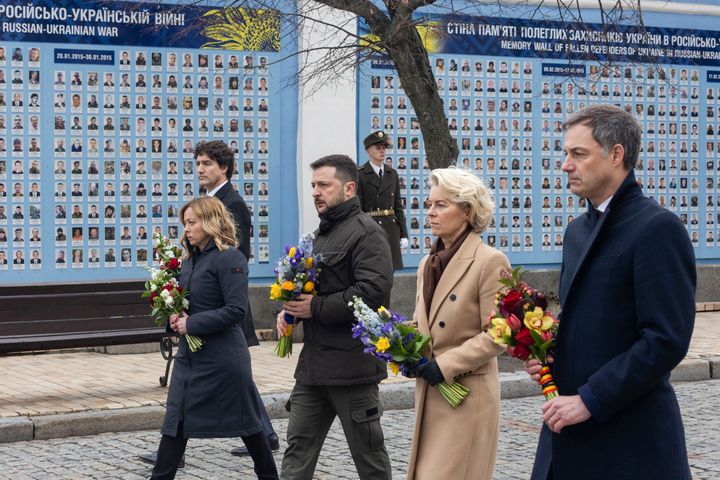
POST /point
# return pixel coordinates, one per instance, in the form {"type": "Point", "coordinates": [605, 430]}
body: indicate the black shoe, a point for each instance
{"type": "Point", "coordinates": [151, 458]}
{"type": "Point", "coordinates": [272, 439]}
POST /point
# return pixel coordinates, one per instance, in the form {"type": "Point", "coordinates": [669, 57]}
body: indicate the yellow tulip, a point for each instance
{"type": "Point", "coordinates": [288, 285]}
{"type": "Point", "coordinates": [383, 311]}
{"type": "Point", "coordinates": [537, 320]}
{"type": "Point", "coordinates": [292, 252]}
{"type": "Point", "coordinates": [308, 287]}
{"type": "Point", "coordinates": [382, 344]}
{"type": "Point", "coordinates": [394, 368]}
{"type": "Point", "coordinates": [309, 262]}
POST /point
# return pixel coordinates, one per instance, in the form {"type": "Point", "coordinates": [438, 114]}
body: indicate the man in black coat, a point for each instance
{"type": "Point", "coordinates": [378, 189]}
{"type": "Point", "coordinates": [215, 167]}
{"type": "Point", "coordinates": [334, 377]}
{"type": "Point", "coordinates": [627, 290]}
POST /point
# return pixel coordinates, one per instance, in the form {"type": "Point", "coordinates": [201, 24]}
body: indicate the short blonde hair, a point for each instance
{"type": "Point", "coordinates": [215, 219]}
{"type": "Point", "coordinates": [469, 191]}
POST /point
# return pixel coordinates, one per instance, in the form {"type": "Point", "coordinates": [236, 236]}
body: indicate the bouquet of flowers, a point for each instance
{"type": "Point", "coordinates": [296, 274]}
{"type": "Point", "coordinates": [388, 337]}
{"type": "Point", "coordinates": [523, 324]}
{"type": "Point", "coordinates": [165, 294]}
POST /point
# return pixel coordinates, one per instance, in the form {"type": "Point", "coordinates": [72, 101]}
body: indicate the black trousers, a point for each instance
{"type": "Point", "coordinates": [172, 449]}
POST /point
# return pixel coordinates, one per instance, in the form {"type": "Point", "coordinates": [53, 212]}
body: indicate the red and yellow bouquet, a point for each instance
{"type": "Point", "coordinates": [523, 324]}
{"type": "Point", "coordinates": [163, 291]}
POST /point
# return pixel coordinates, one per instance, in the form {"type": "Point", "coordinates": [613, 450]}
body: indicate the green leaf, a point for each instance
{"type": "Point", "coordinates": [536, 337]}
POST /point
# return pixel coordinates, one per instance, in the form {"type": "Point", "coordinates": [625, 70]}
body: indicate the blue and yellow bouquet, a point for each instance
{"type": "Point", "coordinates": [388, 337]}
{"type": "Point", "coordinates": [297, 273]}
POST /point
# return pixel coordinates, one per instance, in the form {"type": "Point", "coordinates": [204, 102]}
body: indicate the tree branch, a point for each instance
{"type": "Point", "coordinates": [376, 19]}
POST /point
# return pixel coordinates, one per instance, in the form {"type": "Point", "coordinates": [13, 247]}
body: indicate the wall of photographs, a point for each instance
{"type": "Point", "coordinates": [506, 110]}
{"type": "Point", "coordinates": [96, 150]}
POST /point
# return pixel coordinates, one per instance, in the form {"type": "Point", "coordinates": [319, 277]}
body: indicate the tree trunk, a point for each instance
{"type": "Point", "coordinates": [411, 60]}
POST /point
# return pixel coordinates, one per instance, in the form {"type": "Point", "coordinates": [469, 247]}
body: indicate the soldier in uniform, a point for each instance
{"type": "Point", "coordinates": [379, 193]}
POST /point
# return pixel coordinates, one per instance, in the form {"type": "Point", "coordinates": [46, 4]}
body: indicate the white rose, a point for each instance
{"type": "Point", "coordinates": [169, 301]}
{"type": "Point", "coordinates": [185, 303]}
{"type": "Point", "coordinates": [153, 287]}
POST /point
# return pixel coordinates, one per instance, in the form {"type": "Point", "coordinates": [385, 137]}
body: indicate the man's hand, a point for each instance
{"type": "Point", "coordinates": [532, 367]}
{"type": "Point", "coordinates": [563, 411]}
{"type": "Point", "coordinates": [299, 308]}
{"type": "Point", "coordinates": [281, 324]}
{"type": "Point", "coordinates": [403, 243]}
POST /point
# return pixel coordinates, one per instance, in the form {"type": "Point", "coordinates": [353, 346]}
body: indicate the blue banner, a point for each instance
{"type": "Point", "coordinates": [572, 41]}
{"type": "Point", "coordinates": [146, 24]}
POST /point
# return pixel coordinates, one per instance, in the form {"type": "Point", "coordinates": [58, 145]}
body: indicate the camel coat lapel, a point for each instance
{"type": "Point", "coordinates": [454, 271]}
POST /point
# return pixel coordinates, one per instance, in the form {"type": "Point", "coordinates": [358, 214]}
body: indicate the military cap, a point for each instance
{"type": "Point", "coordinates": [375, 138]}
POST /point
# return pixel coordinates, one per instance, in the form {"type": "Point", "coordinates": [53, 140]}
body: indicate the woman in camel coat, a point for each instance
{"type": "Point", "coordinates": [456, 287]}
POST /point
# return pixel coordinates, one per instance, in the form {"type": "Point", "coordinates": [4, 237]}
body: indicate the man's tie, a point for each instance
{"type": "Point", "coordinates": [380, 173]}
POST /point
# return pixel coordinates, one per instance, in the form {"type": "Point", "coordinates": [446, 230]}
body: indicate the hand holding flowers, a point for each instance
{"type": "Point", "coordinates": [295, 284]}
{"type": "Point", "coordinates": [529, 338]}
{"type": "Point", "coordinates": [167, 298]}
{"type": "Point", "coordinates": [389, 338]}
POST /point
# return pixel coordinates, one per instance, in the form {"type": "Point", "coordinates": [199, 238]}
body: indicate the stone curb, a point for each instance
{"type": "Point", "coordinates": [395, 396]}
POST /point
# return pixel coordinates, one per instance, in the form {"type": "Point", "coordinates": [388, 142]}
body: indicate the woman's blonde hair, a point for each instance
{"type": "Point", "coordinates": [469, 192]}
{"type": "Point", "coordinates": [215, 219]}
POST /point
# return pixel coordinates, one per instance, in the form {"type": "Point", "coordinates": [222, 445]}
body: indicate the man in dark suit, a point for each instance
{"type": "Point", "coordinates": [379, 193]}
{"type": "Point", "coordinates": [215, 167]}
{"type": "Point", "coordinates": [627, 290]}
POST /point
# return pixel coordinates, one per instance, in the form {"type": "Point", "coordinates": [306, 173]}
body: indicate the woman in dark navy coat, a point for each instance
{"type": "Point", "coordinates": [210, 393]}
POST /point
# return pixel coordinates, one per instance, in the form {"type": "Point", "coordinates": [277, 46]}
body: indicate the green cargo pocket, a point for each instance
{"type": "Point", "coordinates": [367, 426]}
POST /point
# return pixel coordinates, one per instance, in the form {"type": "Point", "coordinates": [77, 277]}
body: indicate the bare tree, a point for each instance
{"type": "Point", "coordinates": [398, 32]}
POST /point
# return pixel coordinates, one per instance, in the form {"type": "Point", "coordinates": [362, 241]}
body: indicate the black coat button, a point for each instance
{"type": "Point", "coordinates": [442, 324]}
{"type": "Point", "coordinates": [452, 297]}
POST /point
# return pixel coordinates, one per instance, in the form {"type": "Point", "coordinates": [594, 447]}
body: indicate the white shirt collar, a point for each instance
{"type": "Point", "coordinates": [212, 192]}
{"type": "Point", "coordinates": [375, 168]}
{"type": "Point", "coordinates": [603, 205]}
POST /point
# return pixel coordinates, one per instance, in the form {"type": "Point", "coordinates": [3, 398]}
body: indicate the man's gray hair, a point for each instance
{"type": "Point", "coordinates": [610, 125]}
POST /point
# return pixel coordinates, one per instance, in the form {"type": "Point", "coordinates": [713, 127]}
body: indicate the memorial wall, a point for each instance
{"type": "Point", "coordinates": [101, 106]}
{"type": "Point", "coordinates": [509, 83]}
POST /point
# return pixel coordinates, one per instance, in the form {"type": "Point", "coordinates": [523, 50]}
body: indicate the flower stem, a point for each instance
{"type": "Point", "coordinates": [284, 346]}
{"type": "Point", "coordinates": [454, 394]}
{"type": "Point", "coordinates": [195, 343]}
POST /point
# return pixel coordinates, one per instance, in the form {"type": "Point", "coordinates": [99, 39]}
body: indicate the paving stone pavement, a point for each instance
{"type": "Point", "coordinates": [111, 456]}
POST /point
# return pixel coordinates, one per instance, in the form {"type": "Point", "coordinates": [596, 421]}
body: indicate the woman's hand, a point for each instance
{"type": "Point", "coordinates": [533, 366]}
{"type": "Point", "coordinates": [179, 323]}
{"type": "Point", "coordinates": [430, 372]}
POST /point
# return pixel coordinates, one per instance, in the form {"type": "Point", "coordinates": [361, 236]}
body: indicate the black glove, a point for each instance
{"type": "Point", "coordinates": [409, 369]}
{"type": "Point", "coordinates": [430, 372]}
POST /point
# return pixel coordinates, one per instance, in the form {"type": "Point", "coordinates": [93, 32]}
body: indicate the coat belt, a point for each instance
{"type": "Point", "coordinates": [382, 213]}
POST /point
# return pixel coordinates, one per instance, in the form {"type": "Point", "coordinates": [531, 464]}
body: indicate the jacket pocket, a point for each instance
{"type": "Point", "coordinates": [335, 271]}
{"type": "Point", "coordinates": [481, 370]}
